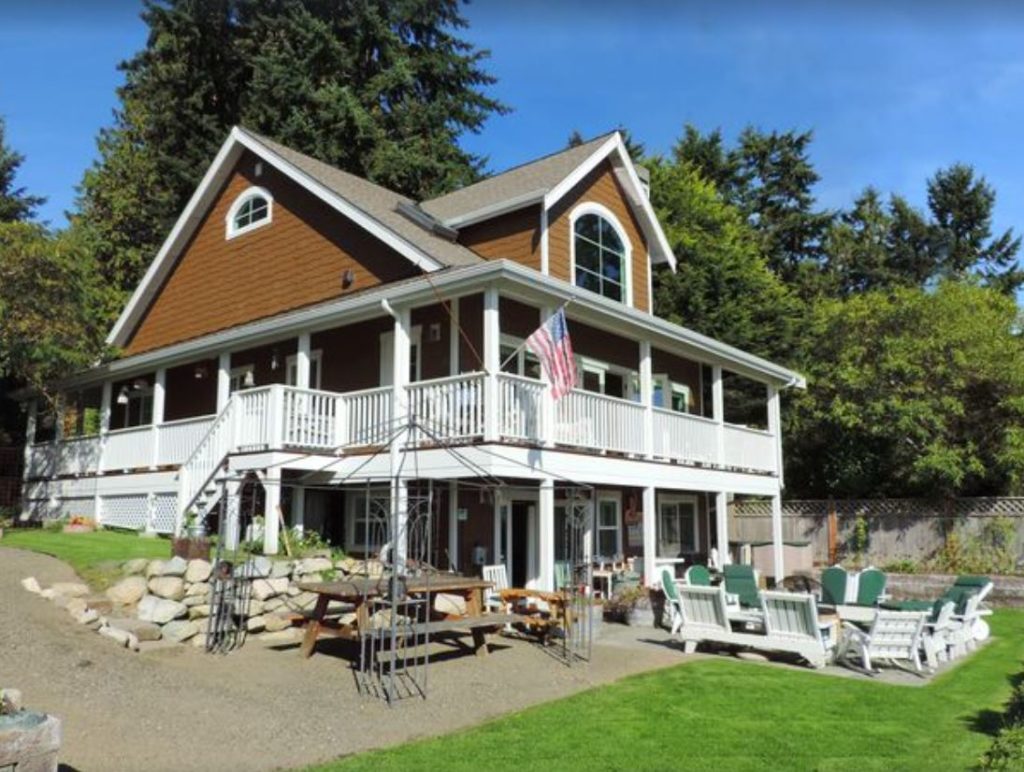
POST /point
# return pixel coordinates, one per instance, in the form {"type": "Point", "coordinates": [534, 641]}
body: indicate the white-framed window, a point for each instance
{"type": "Point", "coordinates": [676, 532]}
{"type": "Point", "coordinates": [517, 359]}
{"type": "Point", "coordinates": [366, 527]}
{"type": "Point", "coordinates": [608, 379]}
{"type": "Point", "coordinates": [241, 377]}
{"type": "Point", "coordinates": [600, 249]}
{"type": "Point", "coordinates": [292, 369]}
{"type": "Point", "coordinates": [139, 409]}
{"type": "Point", "coordinates": [253, 209]}
{"type": "Point", "coordinates": [670, 395]}
{"type": "Point", "coordinates": [608, 525]}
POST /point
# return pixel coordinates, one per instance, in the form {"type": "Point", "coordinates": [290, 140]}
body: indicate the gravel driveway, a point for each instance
{"type": "Point", "coordinates": [175, 707]}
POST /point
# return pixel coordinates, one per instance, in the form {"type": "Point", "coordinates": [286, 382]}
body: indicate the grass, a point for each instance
{"type": "Point", "coordinates": [95, 556]}
{"type": "Point", "coordinates": [725, 714]}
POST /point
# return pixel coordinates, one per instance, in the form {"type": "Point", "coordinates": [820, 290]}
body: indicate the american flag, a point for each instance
{"type": "Point", "coordinates": [552, 345]}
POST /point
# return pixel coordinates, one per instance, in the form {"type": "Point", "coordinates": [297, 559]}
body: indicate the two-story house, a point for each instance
{"type": "Point", "coordinates": [259, 341]}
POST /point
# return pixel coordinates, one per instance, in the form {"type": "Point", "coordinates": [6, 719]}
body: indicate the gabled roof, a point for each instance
{"type": "Point", "coordinates": [546, 181]}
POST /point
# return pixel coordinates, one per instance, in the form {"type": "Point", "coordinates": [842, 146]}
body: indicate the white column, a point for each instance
{"type": "Point", "coordinates": [453, 525]}
{"type": "Point", "coordinates": [302, 362]}
{"type": "Point", "coordinates": [546, 534]}
{"type": "Point", "coordinates": [718, 412]}
{"type": "Point", "coordinates": [492, 363]}
{"type": "Point", "coordinates": [275, 411]}
{"type": "Point", "coordinates": [223, 380]}
{"type": "Point", "coordinates": [272, 498]}
{"type": "Point", "coordinates": [159, 392]}
{"type": "Point", "coordinates": [777, 547]}
{"type": "Point", "coordinates": [547, 401]}
{"type": "Point", "coordinates": [298, 508]}
{"type": "Point", "coordinates": [400, 414]}
{"type": "Point", "coordinates": [722, 527]}
{"type": "Point", "coordinates": [230, 510]}
{"type": "Point", "coordinates": [454, 337]}
{"type": "Point", "coordinates": [29, 454]}
{"type": "Point", "coordinates": [106, 395]}
{"type": "Point", "coordinates": [646, 396]}
{"type": "Point", "coordinates": [650, 536]}
{"type": "Point", "coordinates": [775, 428]}
{"type": "Point", "coordinates": [497, 556]}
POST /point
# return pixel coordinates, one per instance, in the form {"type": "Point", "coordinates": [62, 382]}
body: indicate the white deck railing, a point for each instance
{"type": "Point", "coordinates": [178, 439]}
{"type": "Point", "coordinates": [520, 400]}
{"type": "Point", "coordinates": [311, 418]}
{"type": "Point", "coordinates": [128, 449]}
{"type": "Point", "coordinates": [448, 408]}
{"type": "Point", "coordinates": [367, 417]}
{"type": "Point", "coordinates": [747, 448]}
{"type": "Point", "coordinates": [684, 437]}
{"type": "Point", "coordinates": [598, 422]}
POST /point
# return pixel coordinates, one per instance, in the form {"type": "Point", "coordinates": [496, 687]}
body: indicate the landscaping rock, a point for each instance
{"type": "Point", "coordinates": [76, 606]}
{"type": "Point", "coordinates": [176, 566]}
{"type": "Point", "coordinates": [171, 587]}
{"type": "Point", "coordinates": [199, 640]}
{"type": "Point", "coordinates": [116, 634]}
{"type": "Point", "coordinates": [180, 631]}
{"type": "Point", "coordinates": [155, 568]}
{"type": "Point", "coordinates": [268, 588]}
{"type": "Point", "coordinates": [87, 616]}
{"type": "Point", "coordinates": [258, 566]}
{"type": "Point", "coordinates": [305, 600]}
{"type": "Point", "coordinates": [255, 624]}
{"type": "Point", "coordinates": [142, 630]}
{"type": "Point", "coordinates": [313, 566]}
{"type": "Point", "coordinates": [293, 590]}
{"type": "Point", "coordinates": [135, 566]}
{"type": "Point", "coordinates": [160, 610]}
{"type": "Point", "coordinates": [47, 594]}
{"type": "Point", "coordinates": [273, 604]}
{"type": "Point", "coordinates": [12, 701]}
{"type": "Point", "coordinates": [198, 612]}
{"type": "Point", "coordinates": [198, 570]}
{"type": "Point", "coordinates": [70, 589]}
{"type": "Point", "coordinates": [128, 591]}
{"type": "Point", "coordinates": [30, 584]}
{"type": "Point", "coordinates": [195, 600]}
{"type": "Point", "coordinates": [280, 636]}
{"type": "Point", "coordinates": [281, 568]}
{"type": "Point", "coordinates": [61, 601]}
{"type": "Point", "coordinates": [274, 622]}
{"type": "Point", "coordinates": [199, 588]}
{"type": "Point", "coordinates": [133, 642]}
{"type": "Point", "coordinates": [347, 564]}
{"type": "Point", "coordinates": [310, 578]}
{"type": "Point", "coordinates": [255, 608]}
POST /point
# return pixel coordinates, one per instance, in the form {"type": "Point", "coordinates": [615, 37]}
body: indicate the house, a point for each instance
{"type": "Point", "coordinates": [296, 314]}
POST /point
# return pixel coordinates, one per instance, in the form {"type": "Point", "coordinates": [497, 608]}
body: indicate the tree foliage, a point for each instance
{"type": "Point", "coordinates": [15, 204]}
{"type": "Point", "coordinates": [381, 88]}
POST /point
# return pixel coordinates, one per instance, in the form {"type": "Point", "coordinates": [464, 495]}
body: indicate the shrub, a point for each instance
{"type": "Point", "coordinates": [1006, 752]}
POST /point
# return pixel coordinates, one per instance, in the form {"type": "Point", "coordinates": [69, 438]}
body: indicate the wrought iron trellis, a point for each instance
{"type": "Point", "coordinates": [234, 570]}
{"type": "Point", "coordinates": [574, 574]}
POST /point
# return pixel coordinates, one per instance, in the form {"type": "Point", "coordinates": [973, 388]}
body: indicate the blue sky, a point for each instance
{"type": "Point", "coordinates": [892, 94]}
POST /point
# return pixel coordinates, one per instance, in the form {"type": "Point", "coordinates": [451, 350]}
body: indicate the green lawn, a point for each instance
{"type": "Point", "coordinates": [730, 715]}
{"type": "Point", "coordinates": [94, 556]}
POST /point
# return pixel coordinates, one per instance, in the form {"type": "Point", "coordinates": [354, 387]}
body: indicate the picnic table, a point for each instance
{"type": "Point", "coordinates": [358, 591]}
{"type": "Point", "coordinates": [559, 611]}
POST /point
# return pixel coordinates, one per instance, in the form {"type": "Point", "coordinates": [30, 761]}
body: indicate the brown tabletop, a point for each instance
{"type": "Point", "coordinates": [361, 586]}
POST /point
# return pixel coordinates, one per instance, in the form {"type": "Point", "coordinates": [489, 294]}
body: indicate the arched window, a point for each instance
{"type": "Point", "coordinates": [600, 255]}
{"type": "Point", "coordinates": [252, 209]}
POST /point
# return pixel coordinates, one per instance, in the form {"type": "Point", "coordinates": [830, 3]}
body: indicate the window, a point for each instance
{"type": "Point", "coordinates": [367, 529]}
{"type": "Point", "coordinates": [608, 379]}
{"type": "Point", "coordinates": [252, 209]}
{"type": "Point", "coordinates": [670, 395]}
{"type": "Point", "coordinates": [516, 359]}
{"type": "Point", "coordinates": [677, 526]}
{"type": "Point", "coordinates": [608, 530]}
{"type": "Point", "coordinates": [139, 409]}
{"type": "Point", "coordinates": [241, 378]}
{"type": "Point", "coordinates": [292, 372]}
{"type": "Point", "coordinates": [600, 254]}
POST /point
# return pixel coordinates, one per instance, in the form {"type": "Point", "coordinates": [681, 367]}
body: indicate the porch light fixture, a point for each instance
{"type": "Point", "coordinates": [200, 372]}
{"type": "Point", "coordinates": [122, 396]}
{"type": "Point", "coordinates": [140, 384]}
{"type": "Point", "coordinates": [348, 278]}
{"type": "Point", "coordinates": [273, 359]}
{"type": "Point", "coordinates": [248, 380]}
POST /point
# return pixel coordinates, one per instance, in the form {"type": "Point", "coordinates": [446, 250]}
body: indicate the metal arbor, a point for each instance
{"type": "Point", "coordinates": [574, 573]}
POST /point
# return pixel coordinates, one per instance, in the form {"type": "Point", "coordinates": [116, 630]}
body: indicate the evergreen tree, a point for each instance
{"type": "Point", "coordinates": [382, 89]}
{"type": "Point", "coordinates": [15, 204]}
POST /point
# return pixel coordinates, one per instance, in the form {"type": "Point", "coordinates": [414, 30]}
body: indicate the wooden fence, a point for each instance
{"type": "Point", "coordinates": [882, 531]}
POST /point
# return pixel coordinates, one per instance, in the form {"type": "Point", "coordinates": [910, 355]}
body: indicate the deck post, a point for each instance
{"type": "Point", "coordinates": [453, 525]}
{"type": "Point", "coordinates": [454, 338]}
{"type": "Point", "coordinates": [777, 545]}
{"type": "Point", "coordinates": [399, 437]}
{"type": "Point", "coordinates": [275, 411]}
{"type": "Point", "coordinates": [718, 413]}
{"type": "Point", "coordinates": [302, 361]}
{"type": "Point", "coordinates": [223, 380]}
{"type": "Point", "coordinates": [775, 429]}
{"type": "Point", "coordinates": [492, 363]}
{"type": "Point", "coordinates": [547, 401]}
{"type": "Point", "coordinates": [272, 498]}
{"type": "Point", "coordinates": [106, 396]}
{"type": "Point", "coordinates": [646, 396]}
{"type": "Point", "coordinates": [722, 527]}
{"type": "Point", "coordinates": [650, 535]}
{"type": "Point", "coordinates": [546, 534]}
{"type": "Point", "coordinates": [159, 393]}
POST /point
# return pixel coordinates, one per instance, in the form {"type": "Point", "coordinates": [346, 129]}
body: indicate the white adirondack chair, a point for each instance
{"type": "Point", "coordinates": [498, 578]}
{"type": "Point", "coordinates": [942, 638]}
{"type": "Point", "coordinates": [894, 636]}
{"type": "Point", "coordinates": [791, 623]}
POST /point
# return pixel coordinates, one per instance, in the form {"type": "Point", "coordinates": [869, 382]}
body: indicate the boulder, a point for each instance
{"type": "Point", "coordinates": [76, 606]}
{"type": "Point", "coordinates": [116, 634]}
{"type": "Point", "coordinates": [268, 588]}
{"type": "Point", "coordinates": [30, 584]}
{"type": "Point", "coordinates": [70, 589]}
{"type": "Point", "coordinates": [347, 564]}
{"type": "Point", "coordinates": [198, 612]}
{"type": "Point", "coordinates": [254, 608]}
{"type": "Point", "coordinates": [273, 604]}
{"type": "Point", "coordinates": [281, 568]}
{"type": "Point", "coordinates": [160, 610]}
{"type": "Point", "coordinates": [195, 600]}
{"type": "Point", "coordinates": [47, 594]}
{"type": "Point", "coordinates": [128, 591]}
{"type": "Point", "coordinates": [280, 636]}
{"type": "Point", "coordinates": [198, 570]}
{"type": "Point", "coordinates": [87, 616]}
{"type": "Point", "coordinates": [176, 566]}
{"type": "Point", "coordinates": [135, 566]}
{"type": "Point", "coordinates": [305, 600]}
{"type": "Point", "coordinates": [258, 566]}
{"type": "Point", "coordinates": [12, 700]}
{"type": "Point", "coordinates": [274, 622]}
{"type": "Point", "coordinates": [199, 640]}
{"type": "Point", "coordinates": [155, 568]}
{"type": "Point", "coordinates": [142, 630]}
{"type": "Point", "coordinates": [313, 566]}
{"type": "Point", "coordinates": [201, 589]}
{"type": "Point", "coordinates": [310, 578]}
{"type": "Point", "coordinates": [180, 631]}
{"type": "Point", "coordinates": [171, 587]}
{"type": "Point", "coordinates": [255, 624]}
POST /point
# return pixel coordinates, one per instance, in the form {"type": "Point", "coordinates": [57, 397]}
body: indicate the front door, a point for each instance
{"type": "Point", "coordinates": [520, 555]}
{"type": "Point", "coordinates": [516, 541]}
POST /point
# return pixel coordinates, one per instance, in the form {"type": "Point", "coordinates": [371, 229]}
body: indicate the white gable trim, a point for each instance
{"type": "Point", "coordinates": [661, 250]}
{"type": "Point", "coordinates": [201, 199]}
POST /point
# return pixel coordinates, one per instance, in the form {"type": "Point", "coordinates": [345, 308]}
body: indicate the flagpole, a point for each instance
{"type": "Point", "coordinates": [522, 345]}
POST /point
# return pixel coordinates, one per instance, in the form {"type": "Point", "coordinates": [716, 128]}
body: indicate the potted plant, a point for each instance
{"type": "Point", "coordinates": [630, 605]}
{"type": "Point", "coordinates": [79, 524]}
{"type": "Point", "coordinates": [193, 543]}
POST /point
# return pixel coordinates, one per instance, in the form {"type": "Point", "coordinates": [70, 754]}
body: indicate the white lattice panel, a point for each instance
{"type": "Point", "coordinates": [126, 511]}
{"type": "Point", "coordinates": [80, 506]}
{"type": "Point", "coordinates": [165, 506]}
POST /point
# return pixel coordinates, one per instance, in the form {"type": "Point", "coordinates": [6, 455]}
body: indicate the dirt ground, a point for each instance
{"type": "Point", "coordinates": [176, 707]}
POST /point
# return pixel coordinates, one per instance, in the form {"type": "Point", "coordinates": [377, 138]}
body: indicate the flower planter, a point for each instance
{"type": "Point", "coordinates": [76, 528]}
{"type": "Point", "coordinates": [191, 548]}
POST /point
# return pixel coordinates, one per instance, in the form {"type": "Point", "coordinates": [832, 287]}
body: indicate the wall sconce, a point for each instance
{"type": "Point", "coordinates": [122, 396]}
{"type": "Point", "coordinates": [200, 372]}
{"type": "Point", "coordinates": [140, 383]}
{"type": "Point", "coordinates": [273, 359]}
{"type": "Point", "coordinates": [348, 278]}
{"type": "Point", "coordinates": [248, 380]}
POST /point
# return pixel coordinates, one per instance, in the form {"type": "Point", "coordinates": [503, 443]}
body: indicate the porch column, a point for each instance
{"type": "Point", "coordinates": [650, 536]}
{"type": "Point", "coordinates": [646, 396]}
{"type": "Point", "coordinates": [272, 500]}
{"type": "Point", "coordinates": [775, 429]}
{"type": "Point", "coordinates": [718, 413]}
{"type": "Point", "coordinates": [31, 418]}
{"type": "Point", "coordinates": [106, 395]}
{"type": "Point", "coordinates": [400, 416]}
{"type": "Point", "coordinates": [547, 401]}
{"type": "Point", "coordinates": [777, 547]}
{"type": "Point", "coordinates": [492, 363]}
{"type": "Point", "coordinates": [453, 338]}
{"type": "Point", "coordinates": [302, 362]}
{"type": "Point", "coordinates": [231, 510]}
{"type": "Point", "coordinates": [223, 380]}
{"type": "Point", "coordinates": [159, 392]}
{"type": "Point", "coordinates": [298, 508]}
{"type": "Point", "coordinates": [453, 525]}
{"type": "Point", "coordinates": [546, 534]}
{"type": "Point", "coordinates": [722, 527]}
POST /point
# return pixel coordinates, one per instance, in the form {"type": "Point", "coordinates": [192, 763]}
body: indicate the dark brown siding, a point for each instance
{"type": "Point", "coordinates": [604, 346]}
{"type": "Point", "coordinates": [351, 355]}
{"type": "Point", "coordinates": [434, 357]}
{"type": "Point", "coordinates": [679, 370]}
{"type": "Point", "coordinates": [188, 396]}
{"type": "Point", "coordinates": [296, 260]}
{"type": "Point", "coordinates": [517, 318]}
{"type": "Point", "coordinates": [471, 344]}
{"type": "Point", "coordinates": [601, 187]}
{"type": "Point", "coordinates": [264, 358]}
{"type": "Point", "coordinates": [513, 236]}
